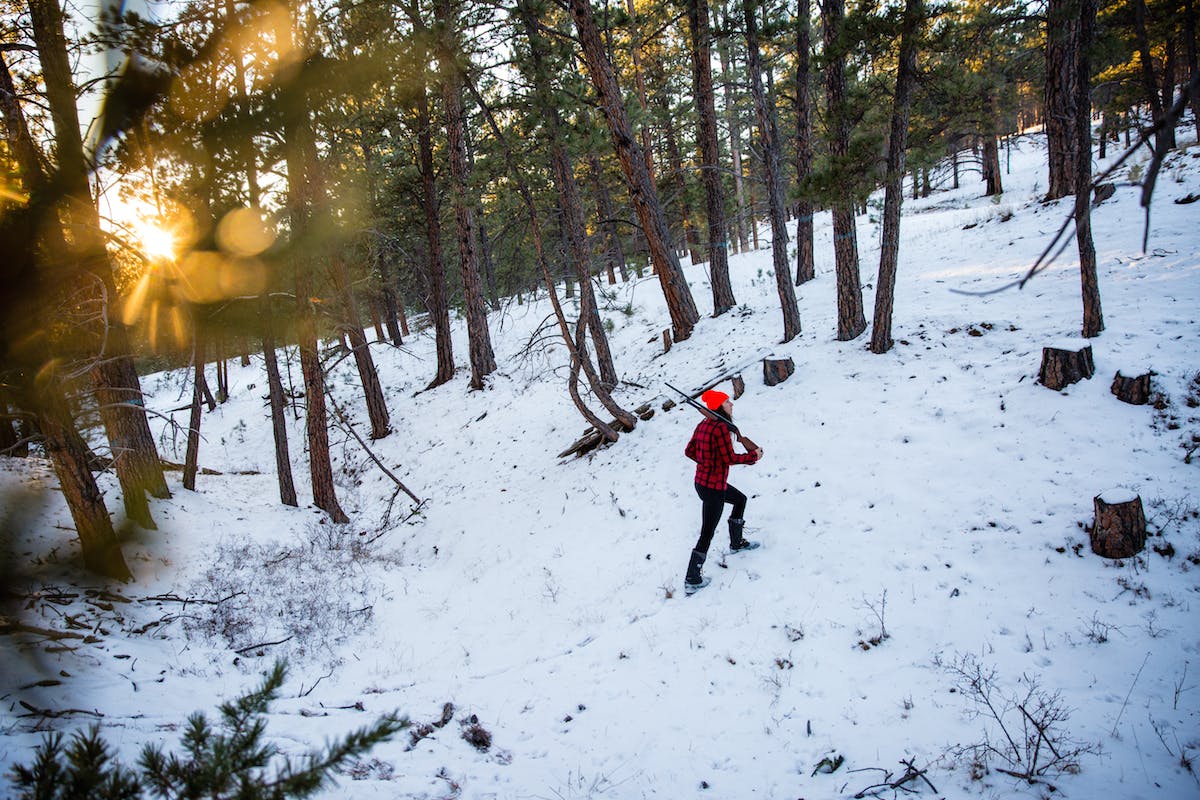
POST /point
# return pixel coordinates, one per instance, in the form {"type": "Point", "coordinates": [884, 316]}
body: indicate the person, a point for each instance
{"type": "Point", "coordinates": [711, 447]}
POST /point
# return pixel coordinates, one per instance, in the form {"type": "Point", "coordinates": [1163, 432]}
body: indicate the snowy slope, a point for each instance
{"type": "Point", "coordinates": [936, 493]}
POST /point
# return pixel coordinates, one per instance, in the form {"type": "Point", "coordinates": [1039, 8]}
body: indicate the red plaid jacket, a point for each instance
{"type": "Point", "coordinates": [711, 448]}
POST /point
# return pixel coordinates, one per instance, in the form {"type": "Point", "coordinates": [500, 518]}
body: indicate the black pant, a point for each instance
{"type": "Point", "coordinates": [712, 505]}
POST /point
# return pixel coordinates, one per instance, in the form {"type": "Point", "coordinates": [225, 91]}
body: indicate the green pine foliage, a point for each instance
{"type": "Point", "coordinates": [231, 762]}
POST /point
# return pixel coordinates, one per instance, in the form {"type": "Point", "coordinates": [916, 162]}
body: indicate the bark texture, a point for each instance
{"type": "Point", "coordinates": [805, 269]}
{"type": "Point", "coordinates": [1119, 528]}
{"type": "Point", "coordinates": [570, 204]}
{"type": "Point", "coordinates": [283, 461]}
{"type": "Point", "coordinates": [773, 172]}
{"type": "Point", "coordinates": [1093, 316]}
{"type": "Point", "coordinates": [368, 376]}
{"type": "Point", "coordinates": [1062, 51]}
{"type": "Point", "coordinates": [710, 156]}
{"type": "Point", "coordinates": [118, 390]}
{"type": "Point", "coordinates": [889, 256]}
{"type": "Point", "coordinates": [852, 320]}
{"type": "Point", "coordinates": [483, 359]}
{"type": "Point", "coordinates": [632, 159]}
{"type": "Point", "coordinates": [1135, 390]}
{"type": "Point", "coordinates": [436, 302]}
{"type": "Point", "coordinates": [1061, 368]}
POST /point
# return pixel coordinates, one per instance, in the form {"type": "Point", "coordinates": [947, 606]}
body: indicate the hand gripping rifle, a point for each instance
{"type": "Point", "coordinates": [745, 441]}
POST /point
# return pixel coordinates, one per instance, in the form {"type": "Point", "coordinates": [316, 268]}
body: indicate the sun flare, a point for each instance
{"type": "Point", "coordinates": [156, 241]}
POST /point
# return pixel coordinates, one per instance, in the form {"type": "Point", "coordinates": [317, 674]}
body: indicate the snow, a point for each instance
{"type": "Point", "coordinates": [936, 494]}
{"type": "Point", "coordinates": [1117, 496]}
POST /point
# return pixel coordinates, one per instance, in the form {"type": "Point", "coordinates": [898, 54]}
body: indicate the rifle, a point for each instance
{"type": "Point", "coordinates": [745, 441]}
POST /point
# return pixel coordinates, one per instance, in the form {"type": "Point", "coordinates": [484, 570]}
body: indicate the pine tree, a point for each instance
{"type": "Point", "coordinates": [234, 761]}
{"type": "Point", "coordinates": [638, 177]}
{"type": "Point", "coordinates": [700, 30]}
{"type": "Point", "coordinates": [769, 145]}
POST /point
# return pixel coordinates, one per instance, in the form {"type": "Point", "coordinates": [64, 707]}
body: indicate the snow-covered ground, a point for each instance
{"type": "Point", "coordinates": [936, 494]}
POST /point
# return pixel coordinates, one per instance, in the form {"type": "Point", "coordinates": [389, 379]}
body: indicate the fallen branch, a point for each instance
{"type": "Point", "coordinates": [171, 466]}
{"type": "Point", "coordinates": [9, 628]}
{"type": "Point", "coordinates": [243, 650]}
{"type": "Point", "coordinates": [340, 417]}
{"type": "Point", "coordinates": [34, 711]}
{"type": "Point", "coordinates": [173, 598]}
{"type": "Point", "coordinates": [911, 773]}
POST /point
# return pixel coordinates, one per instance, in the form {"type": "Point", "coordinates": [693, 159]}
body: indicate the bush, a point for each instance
{"type": "Point", "coordinates": [232, 763]}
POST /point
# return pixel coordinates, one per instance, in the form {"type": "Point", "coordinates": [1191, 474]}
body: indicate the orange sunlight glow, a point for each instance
{"type": "Point", "coordinates": [174, 276]}
{"type": "Point", "coordinates": [155, 241]}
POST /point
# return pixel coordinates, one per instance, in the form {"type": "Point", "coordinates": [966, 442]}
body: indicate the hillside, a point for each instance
{"type": "Point", "coordinates": [937, 494]}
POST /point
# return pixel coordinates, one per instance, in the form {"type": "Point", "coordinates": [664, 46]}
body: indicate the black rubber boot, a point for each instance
{"type": "Point", "coordinates": [694, 580]}
{"type": "Point", "coordinates": [737, 542]}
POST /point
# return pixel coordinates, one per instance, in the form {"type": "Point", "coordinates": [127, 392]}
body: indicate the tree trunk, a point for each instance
{"type": "Point", "coordinates": [733, 118]}
{"type": "Point", "coordinates": [574, 344]}
{"type": "Point", "coordinates": [483, 359]}
{"type": "Point", "coordinates": [275, 393]}
{"type": "Point", "coordinates": [489, 263]}
{"type": "Point", "coordinates": [69, 454]}
{"type": "Point", "coordinates": [44, 399]}
{"type": "Point", "coordinates": [209, 400]}
{"type": "Point", "coordinates": [682, 208]}
{"type": "Point", "coordinates": [305, 195]}
{"type": "Point", "coordinates": [1062, 51]}
{"type": "Point", "coordinates": [1163, 137]}
{"type": "Point", "coordinates": [851, 318]}
{"type": "Point", "coordinates": [376, 319]}
{"type": "Point", "coordinates": [645, 200]}
{"type": "Point", "coordinates": [545, 109]}
{"type": "Point", "coordinates": [315, 415]}
{"type": "Point", "coordinates": [118, 390]}
{"type": "Point", "coordinates": [377, 411]}
{"type": "Point", "coordinates": [1168, 90]}
{"type": "Point", "coordinates": [805, 269]}
{"type": "Point", "coordinates": [222, 371]}
{"type": "Point", "coordinates": [1093, 317]}
{"type": "Point", "coordinates": [10, 443]}
{"type": "Point", "coordinates": [192, 458]}
{"type": "Point", "coordinates": [639, 82]}
{"type": "Point", "coordinates": [710, 156]}
{"type": "Point", "coordinates": [773, 172]}
{"type": "Point", "coordinates": [889, 256]}
{"type": "Point", "coordinates": [438, 304]}
{"type": "Point", "coordinates": [391, 315]}
{"type": "Point", "coordinates": [614, 254]}
{"type": "Point", "coordinates": [283, 461]}
{"type": "Point", "coordinates": [1193, 61]}
{"type": "Point", "coordinates": [991, 166]}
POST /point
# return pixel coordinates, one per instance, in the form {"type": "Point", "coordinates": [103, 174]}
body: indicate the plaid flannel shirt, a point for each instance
{"type": "Point", "coordinates": [711, 448]}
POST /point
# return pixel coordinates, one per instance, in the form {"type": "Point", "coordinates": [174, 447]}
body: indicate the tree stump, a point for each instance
{"type": "Point", "coordinates": [739, 386]}
{"type": "Point", "coordinates": [1135, 391]}
{"type": "Point", "coordinates": [666, 336]}
{"type": "Point", "coordinates": [777, 370]}
{"type": "Point", "coordinates": [1063, 367]}
{"type": "Point", "coordinates": [1103, 192]}
{"type": "Point", "coordinates": [1119, 530]}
